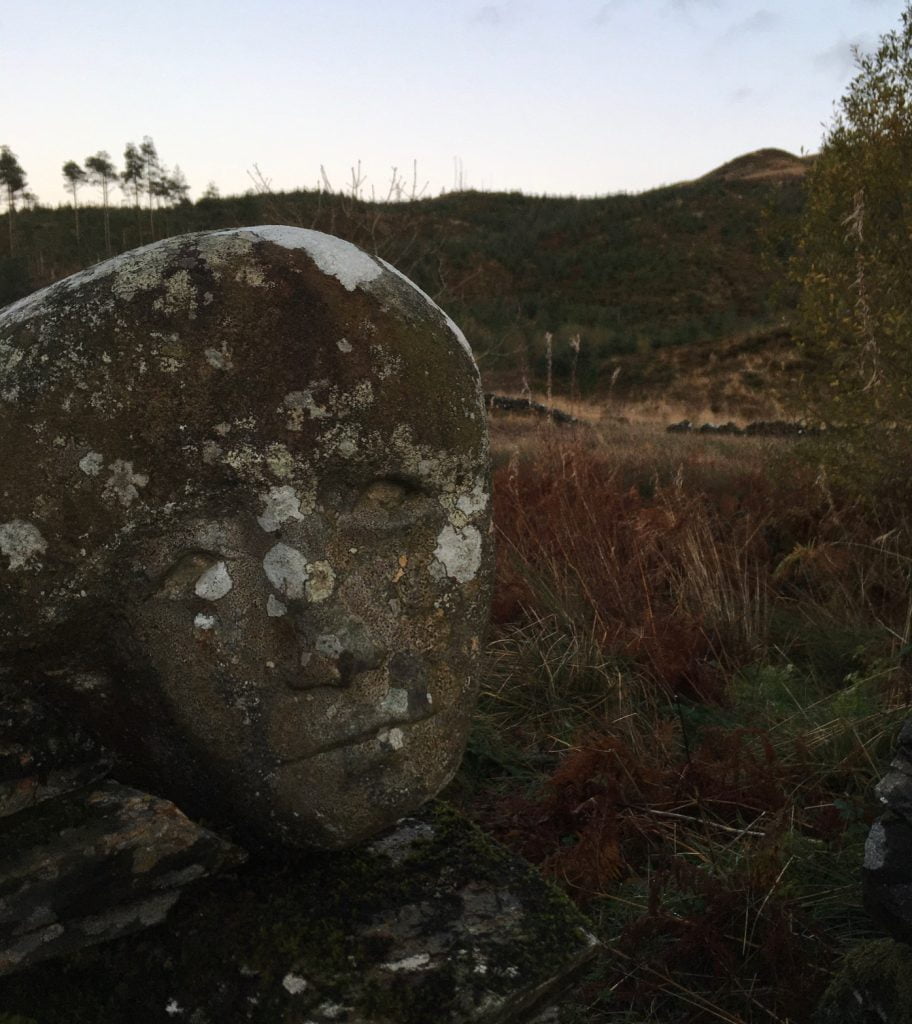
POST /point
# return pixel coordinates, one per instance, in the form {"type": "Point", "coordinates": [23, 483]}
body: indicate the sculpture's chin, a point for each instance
{"type": "Point", "coordinates": [342, 796]}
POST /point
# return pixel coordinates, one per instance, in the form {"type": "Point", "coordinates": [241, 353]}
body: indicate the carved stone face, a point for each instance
{"type": "Point", "coordinates": [272, 567]}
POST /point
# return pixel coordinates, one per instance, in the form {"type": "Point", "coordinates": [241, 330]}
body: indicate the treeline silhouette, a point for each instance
{"type": "Point", "coordinates": [607, 276]}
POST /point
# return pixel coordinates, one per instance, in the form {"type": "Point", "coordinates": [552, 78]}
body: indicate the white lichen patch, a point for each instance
{"type": "Point", "coordinates": [333, 1011]}
{"type": "Point", "coordinates": [396, 702]}
{"type": "Point", "coordinates": [21, 542]}
{"type": "Point", "coordinates": [214, 583]}
{"type": "Point", "coordinates": [179, 295]}
{"type": "Point", "coordinates": [321, 583]}
{"type": "Point", "coordinates": [280, 461]}
{"type": "Point", "coordinates": [361, 396]}
{"type": "Point", "coordinates": [302, 405]}
{"type": "Point", "coordinates": [391, 738]}
{"type": "Point", "coordinates": [294, 984]}
{"type": "Point", "coordinates": [287, 570]}
{"type": "Point", "coordinates": [282, 504]}
{"type": "Point", "coordinates": [252, 463]}
{"type": "Point", "coordinates": [253, 276]}
{"type": "Point", "coordinates": [274, 607]}
{"type": "Point", "coordinates": [219, 358]}
{"type": "Point", "coordinates": [344, 345]}
{"type": "Point", "coordinates": [204, 621]}
{"type": "Point", "coordinates": [341, 439]}
{"type": "Point", "coordinates": [458, 553]}
{"type": "Point", "coordinates": [875, 854]}
{"type": "Point", "coordinates": [418, 962]}
{"type": "Point", "coordinates": [335, 257]}
{"type": "Point", "coordinates": [92, 463]}
{"type": "Point", "coordinates": [123, 483]}
{"type": "Point", "coordinates": [475, 501]}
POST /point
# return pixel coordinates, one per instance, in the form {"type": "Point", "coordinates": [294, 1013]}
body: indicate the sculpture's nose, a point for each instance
{"type": "Point", "coordinates": [336, 658]}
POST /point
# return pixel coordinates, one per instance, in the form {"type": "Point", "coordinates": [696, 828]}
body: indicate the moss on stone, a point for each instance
{"type": "Point", "coordinates": [333, 920]}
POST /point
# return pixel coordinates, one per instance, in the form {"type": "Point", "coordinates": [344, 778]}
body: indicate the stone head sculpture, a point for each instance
{"type": "Point", "coordinates": [244, 525]}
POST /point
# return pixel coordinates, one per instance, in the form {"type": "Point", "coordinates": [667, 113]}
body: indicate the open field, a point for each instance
{"type": "Point", "coordinates": [698, 663]}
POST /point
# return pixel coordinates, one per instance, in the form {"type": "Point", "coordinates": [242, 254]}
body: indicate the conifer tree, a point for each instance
{"type": "Point", "coordinates": [101, 172]}
{"type": "Point", "coordinates": [12, 178]}
{"type": "Point", "coordinates": [74, 176]}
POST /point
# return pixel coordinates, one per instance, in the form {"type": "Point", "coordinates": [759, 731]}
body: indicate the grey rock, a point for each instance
{"type": "Point", "coordinates": [94, 865]}
{"type": "Point", "coordinates": [430, 923]}
{"type": "Point", "coordinates": [246, 492]}
{"type": "Point", "coordinates": [887, 870]}
{"type": "Point", "coordinates": [887, 875]}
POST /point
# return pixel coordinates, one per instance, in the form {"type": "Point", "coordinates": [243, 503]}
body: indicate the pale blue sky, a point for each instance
{"type": "Point", "coordinates": [585, 96]}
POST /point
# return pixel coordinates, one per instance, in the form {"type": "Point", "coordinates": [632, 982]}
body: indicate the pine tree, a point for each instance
{"type": "Point", "coordinates": [74, 176]}
{"type": "Point", "coordinates": [12, 178]}
{"type": "Point", "coordinates": [101, 172]}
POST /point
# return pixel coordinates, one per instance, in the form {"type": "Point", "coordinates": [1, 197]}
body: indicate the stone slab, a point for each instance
{"type": "Point", "coordinates": [93, 865]}
{"type": "Point", "coordinates": [431, 922]}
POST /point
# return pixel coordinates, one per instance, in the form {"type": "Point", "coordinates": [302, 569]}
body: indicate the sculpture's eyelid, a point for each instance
{"type": "Point", "coordinates": [184, 572]}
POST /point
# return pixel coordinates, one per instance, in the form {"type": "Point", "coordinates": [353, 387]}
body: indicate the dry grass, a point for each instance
{"type": "Point", "coordinates": [698, 666]}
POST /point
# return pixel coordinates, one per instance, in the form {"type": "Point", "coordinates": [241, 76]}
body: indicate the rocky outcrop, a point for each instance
{"type": "Point", "coordinates": [526, 407]}
{"type": "Point", "coordinates": [430, 922]}
{"type": "Point", "coordinates": [887, 872]}
{"type": "Point", "coordinates": [759, 428]}
{"type": "Point", "coordinates": [93, 865]}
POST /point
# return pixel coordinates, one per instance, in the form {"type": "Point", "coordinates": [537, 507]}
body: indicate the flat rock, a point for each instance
{"type": "Point", "coordinates": [94, 865]}
{"type": "Point", "coordinates": [429, 923]}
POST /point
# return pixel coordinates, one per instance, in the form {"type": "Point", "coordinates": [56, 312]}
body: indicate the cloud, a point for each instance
{"type": "Point", "coordinates": [686, 6]}
{"type": "Point", "coordinates": [741, 95]}
{"type": "Point", "coordinates": [493, 15]}
{"type": "Point", "coordinates": [761, 20]}
{"type": "Point", "coordinates": [838, 60]}
{"type": "Point", "coordinates": [607, 11]}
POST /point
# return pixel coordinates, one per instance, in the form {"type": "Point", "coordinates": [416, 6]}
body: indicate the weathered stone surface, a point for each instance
{"type": "Point", "coordinates": [42, 754]}
{"type": "Point", "coordinates": [244, 526]}
{"type": "Point", "coordinates": [887, 875]}
{"type": "Point", "coordinates": [887, 871]}
{"type": "Point", "coordinates": [429, 923]}
{"type": "Point", "coordinates": [94, 865]}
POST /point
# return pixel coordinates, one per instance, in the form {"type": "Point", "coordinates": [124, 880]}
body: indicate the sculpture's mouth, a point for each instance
{"type": "Point", "coordinates": [384, 732]}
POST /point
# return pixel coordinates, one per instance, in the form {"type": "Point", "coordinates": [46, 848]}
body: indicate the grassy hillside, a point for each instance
{"type": "Point", "coordinates": [689, 263]}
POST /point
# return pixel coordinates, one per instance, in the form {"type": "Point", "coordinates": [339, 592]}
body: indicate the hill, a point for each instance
{"type": "Point", "coordinates": [762, 165]}
{"type": "Point", "coordinates": [627, 274]}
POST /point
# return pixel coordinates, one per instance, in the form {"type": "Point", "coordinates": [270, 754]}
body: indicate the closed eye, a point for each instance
{"type": "Point", "coordinates": [180, 581]}
{"type": "Point", "coordinates": [385, 493]}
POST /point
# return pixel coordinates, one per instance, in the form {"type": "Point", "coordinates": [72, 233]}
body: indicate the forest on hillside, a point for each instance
{"type": "Point", "coordinates": [608, 276]}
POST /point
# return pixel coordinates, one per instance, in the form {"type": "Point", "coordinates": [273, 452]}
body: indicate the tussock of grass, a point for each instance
{"type": "Point", "coordinates": [699, 663]}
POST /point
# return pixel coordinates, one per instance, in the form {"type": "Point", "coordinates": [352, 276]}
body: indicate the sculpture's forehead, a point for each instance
{"type": "Point", "coordinates": [270, 371]}
{"type": "Point", "coordinates": [265, 353]}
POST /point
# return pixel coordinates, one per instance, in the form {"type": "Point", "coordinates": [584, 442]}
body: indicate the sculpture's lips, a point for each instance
{"type": "Point", "coordinates": [353, 738]}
